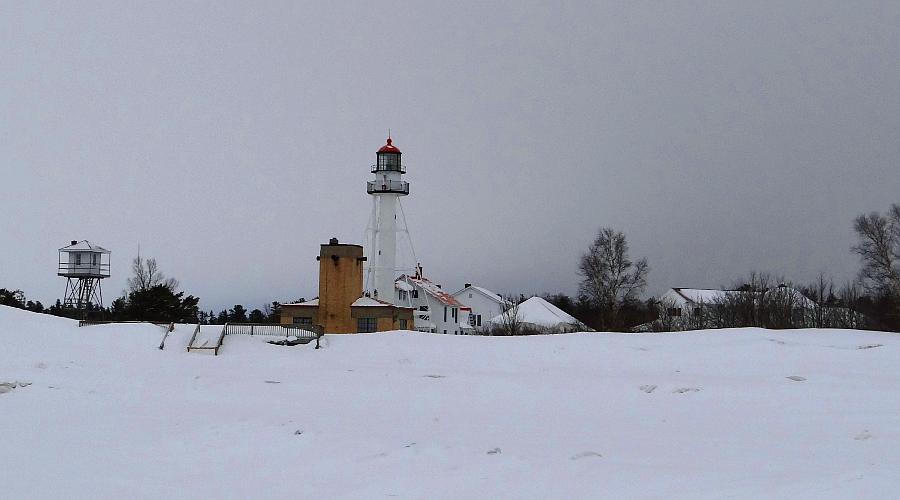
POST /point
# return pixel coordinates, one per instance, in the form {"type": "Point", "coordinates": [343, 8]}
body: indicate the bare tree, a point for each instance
{"type": "Point", "coordinates": [509, 322]}
{"type": "Point", "coordinates": [879, 250]}
{"type": "Point", "coordinates": [610, 278]}
{"type": "Point", "coordinates": [146, 275]}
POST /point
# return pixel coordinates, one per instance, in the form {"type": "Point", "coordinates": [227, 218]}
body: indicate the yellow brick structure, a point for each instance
{"type": "Point", "coordinates": [341, 307]}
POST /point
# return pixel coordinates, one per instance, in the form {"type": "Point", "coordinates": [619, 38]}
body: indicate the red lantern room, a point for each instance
{"type": "Point", "coordinates": [388, 159]}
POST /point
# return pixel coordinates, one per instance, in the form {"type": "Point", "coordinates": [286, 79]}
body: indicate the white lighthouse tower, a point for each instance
{"type": "Point", "coordinates": [386, 190]}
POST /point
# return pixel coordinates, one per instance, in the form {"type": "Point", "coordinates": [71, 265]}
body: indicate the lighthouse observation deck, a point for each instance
{"type": "Point", "coordinates": [386, 186]}
{"type": "Point", "coordinates": [387, 167]}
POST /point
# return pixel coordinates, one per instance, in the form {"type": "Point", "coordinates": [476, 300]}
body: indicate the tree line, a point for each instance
{"type": "Point", "coordinates": [609, 293]}
{"type": "Point", "coordinates": [149, 296]}
{"type": "Point", "coordinates": [609, 298]}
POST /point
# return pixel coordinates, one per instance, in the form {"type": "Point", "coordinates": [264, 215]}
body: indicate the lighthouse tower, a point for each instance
{"type": "Point", "coordinates": [386, 190]}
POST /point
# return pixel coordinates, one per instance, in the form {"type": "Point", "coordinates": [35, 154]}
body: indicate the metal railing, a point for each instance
{"type": "Point", "coordinates": [272, 329]}
{"type": "Point", "coordinates": [304, 333]}
{"type": "Point", "coordinates": [85, 269]}
{"type": "Point", "coordinates": [388, 168]}
{"type": "Point", "coordinates": [398, 187]}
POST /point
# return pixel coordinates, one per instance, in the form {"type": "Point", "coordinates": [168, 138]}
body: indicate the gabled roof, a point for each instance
{"type": "Point", "coordinates": [703, 295]}
{"type": "Point", "coordinates": [538, 311]}
{"type": "Point", "coordinates": [699, 296]}
{"type": "Point", "coordinates": [432, 289]}
{"type": "Point", "coordinates": [370, 302]}
{"type": "Point", "coordinates": [84, 246]}
{"type": "Point", "coordinates": [496, 297]}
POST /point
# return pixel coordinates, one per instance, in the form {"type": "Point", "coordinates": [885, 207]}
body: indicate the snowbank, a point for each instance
{"type": "Point", "coordinates": [688, 415]}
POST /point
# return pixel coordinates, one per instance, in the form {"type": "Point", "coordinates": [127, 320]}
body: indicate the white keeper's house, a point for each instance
{"type": "Point", "coordinates": [485, 304]}
{"type": "Point", "coordinates": [435, 310]}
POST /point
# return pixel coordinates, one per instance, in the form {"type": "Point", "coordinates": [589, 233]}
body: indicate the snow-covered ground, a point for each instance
{"type": "Point", "coordinates": [725, 414]}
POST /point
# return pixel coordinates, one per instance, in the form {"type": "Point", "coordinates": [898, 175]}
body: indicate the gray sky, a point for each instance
{"type": "Point", "coordinates": [230, 139]}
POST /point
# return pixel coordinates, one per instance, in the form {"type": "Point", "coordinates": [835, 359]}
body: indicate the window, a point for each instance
{"type": "Point", "coordinates": [403, 324]}
{"type": "Point", "coordinates": [445, 315]}
{"type": "Point", "coordinates": [302, 320]}
{"type": "Point", "coordinates": [415, 294]}
{"type": "Point", "coordinates": [472, 320]}
{"type": "Point", "coordinates": [367, 325]}
{"type": "Point", "coordinates": [470, 295]}
{"type": "Point", "coordinates": [77, 259]}
{"type": "Point", "coordinates": [478, 321]}
{"type": "Point", "coordinates": [673, 311]}
{"type": "Point", "coordinates": [402, 294]}
{"type": "Point", "coordinates": [445, 332]}
{"type": "Point", "coordinates": [455, 313]}
{"type": "Point", "coordinates": [697, 311]}
{"type": "Point", "coordinates": [94, 259]}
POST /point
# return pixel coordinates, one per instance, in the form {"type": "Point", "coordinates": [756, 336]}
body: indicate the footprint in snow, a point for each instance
{"type": "Point", "coordinates": [682, 390]}
{"type": "Point", "coordinates": [272, 381]}
{"type": "Point", "coordinates": [869, 346]}
{"type": "Point", "coordinates": [585, 454]}
{"type": "Point", "coordinates": [9, 386]}
{"type": "Point", "coordinates": [495, 451]}
{"type": "Point", "coordinates": [862, 436]}
{"type": "Point", "coordinates": [434, 376]}
{"type": "Point", "coordinates": [796, 378]}
{"type": "Point", "coordinates": [647, 388]}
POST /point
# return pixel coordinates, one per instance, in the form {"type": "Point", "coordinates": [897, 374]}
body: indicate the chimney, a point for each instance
{"type": "Point", "coordinates": [333, 241]}
{"type": "Point", "coordinates": [74, 242]}
{"type": "Point", "coordinates": [467, 285]}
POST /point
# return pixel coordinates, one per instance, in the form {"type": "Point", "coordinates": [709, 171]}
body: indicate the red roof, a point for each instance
{"type": "Point", "coordinates": [389, 148]}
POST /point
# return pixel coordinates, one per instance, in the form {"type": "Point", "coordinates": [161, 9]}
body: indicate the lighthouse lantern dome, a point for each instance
{"type": "Point", "coordinates": [388, 158]}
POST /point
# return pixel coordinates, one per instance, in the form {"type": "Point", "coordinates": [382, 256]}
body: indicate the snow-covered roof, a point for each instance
{"type": "Point", "coordinates": [703, 295]}
{"type": "Point", "coordinates": [538, 311]}
{"type": "Point", "coordinates": [699, 296]}
{"type": "Point", "coordinates": [313, 302]}
{"type": "Point", "coordinates": [402, 285]}
{"type": "Point", "coordinates": [432, 289]}
{"type": "Point", "coordinates": [484, 291]}
{"type": "Point", "coordinates": [786, 293]}
{"type": "Point", "coordinates": [84, 246]}
{"type": "Point", "coordinates": [370, 302]}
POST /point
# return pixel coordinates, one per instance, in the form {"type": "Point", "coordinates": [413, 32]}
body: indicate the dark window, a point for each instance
{"type": "Point", "coordinates": [403, 323]}
{"type": "Point", "coordinates": [697, 311]}
{"type": "Point", "coordinates": [77, 259]}
{"type": "Point", "coordinates": [479, 320]}
{"type": "Point", "coordinates": [415, 294]}
{"type": "Point", "coordinates": [673, 311]}
{"type": "Point", "coordinates": [471, 320]}
{"type": "Point", "coordinates": [367, 325]}
{"type": "Point", "coordinates": [445, 315]}
{"type": "Point", "coordinates": [302, 320]}
{"type": "Point", "coordinates": [445, 332]}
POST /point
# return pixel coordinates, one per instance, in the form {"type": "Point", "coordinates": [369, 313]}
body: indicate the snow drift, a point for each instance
{"type": "Point", "coordinates": [101, 412]}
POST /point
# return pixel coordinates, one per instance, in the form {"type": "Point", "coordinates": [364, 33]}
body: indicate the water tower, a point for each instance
{"type": "Point", "coordinates": [386, 190]}
{"type": "Point", "coordinates": [83, 264]}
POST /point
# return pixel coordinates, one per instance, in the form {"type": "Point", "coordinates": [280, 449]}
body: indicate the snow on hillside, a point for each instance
{"type": "Point", "coordinates": [736, 414]}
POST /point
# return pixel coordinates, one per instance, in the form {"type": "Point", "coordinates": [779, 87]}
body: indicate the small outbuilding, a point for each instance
{"type": "Point", "coordinates": [539, 315]}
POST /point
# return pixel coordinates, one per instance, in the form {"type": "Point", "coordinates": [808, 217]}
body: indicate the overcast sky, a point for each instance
{"type": "Point", "coordinates": [230, 139]}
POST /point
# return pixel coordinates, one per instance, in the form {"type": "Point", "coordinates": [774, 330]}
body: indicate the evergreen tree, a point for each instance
{"type": "Point", "coordinates": [257, 316]}
{"type": "Point", "coordinates": [237, 314]}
